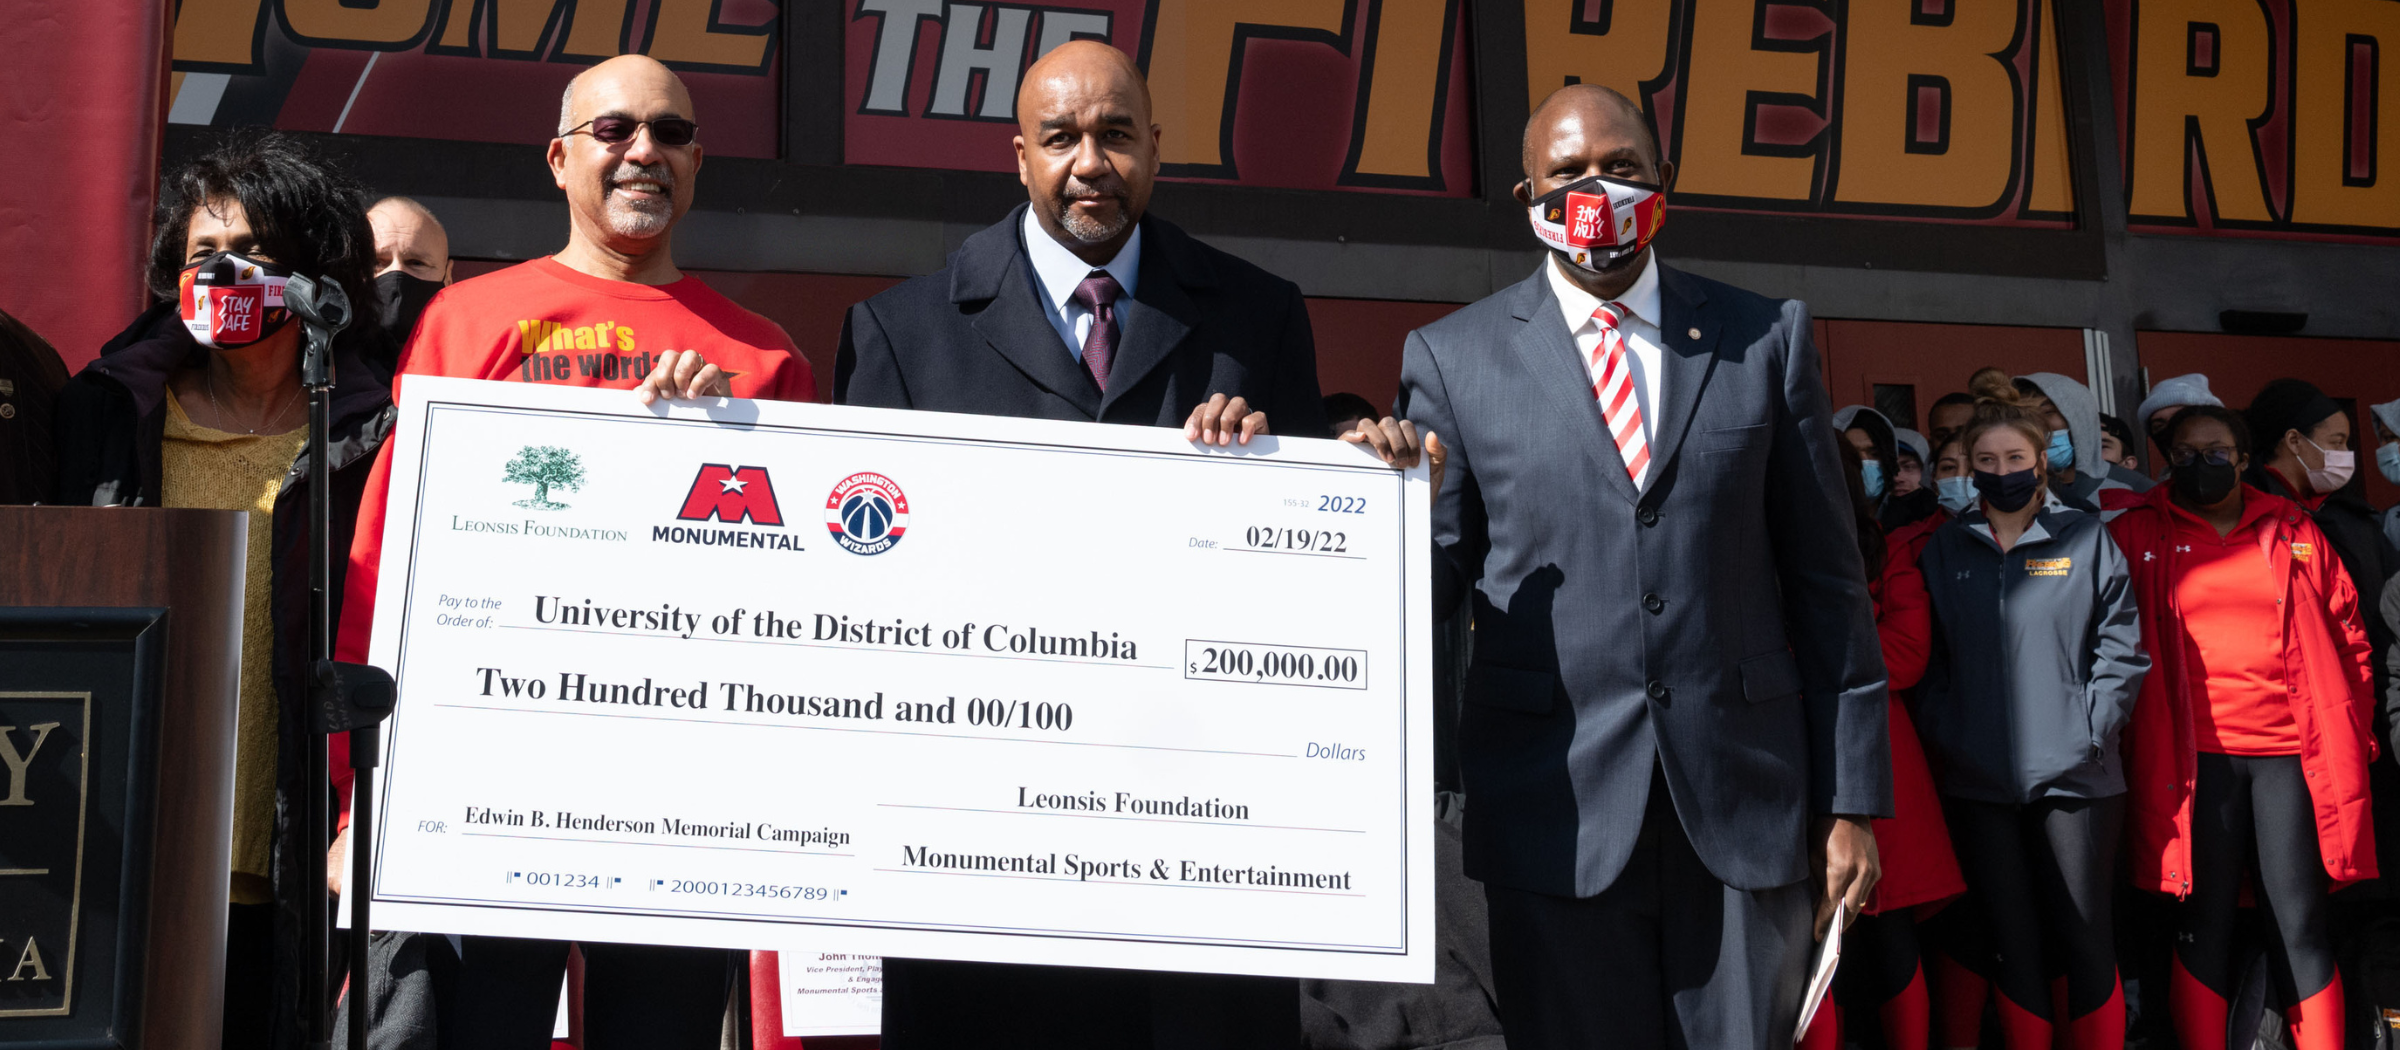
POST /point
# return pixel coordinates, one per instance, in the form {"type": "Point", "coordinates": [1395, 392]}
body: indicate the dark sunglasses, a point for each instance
{"type": "Point", "coordinates": [2184, 456]}
{"type": "Point", "coordinates": [666, 131]}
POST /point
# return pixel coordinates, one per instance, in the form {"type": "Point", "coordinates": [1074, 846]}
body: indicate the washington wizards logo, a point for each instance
{"type": "Point", "coordinates": [867, 513]}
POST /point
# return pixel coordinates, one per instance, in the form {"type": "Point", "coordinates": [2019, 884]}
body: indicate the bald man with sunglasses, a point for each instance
{"type": "Point", "coordinates": [609, 310]}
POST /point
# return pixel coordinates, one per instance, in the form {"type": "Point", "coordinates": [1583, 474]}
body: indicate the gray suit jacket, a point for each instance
{"type": "Point", "coordinates": [1715, 624]}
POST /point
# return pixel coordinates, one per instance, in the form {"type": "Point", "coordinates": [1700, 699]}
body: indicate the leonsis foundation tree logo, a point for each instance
{"type": "Point", "coordinates": [545, 467]}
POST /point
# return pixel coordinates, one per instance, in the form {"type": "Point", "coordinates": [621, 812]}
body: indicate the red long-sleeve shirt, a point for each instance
{"type": "Point", "coordinates": [543, 322]}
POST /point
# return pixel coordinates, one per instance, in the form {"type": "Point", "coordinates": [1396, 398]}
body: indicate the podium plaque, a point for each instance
{"type": "Point", "coordinates": [120, 643]}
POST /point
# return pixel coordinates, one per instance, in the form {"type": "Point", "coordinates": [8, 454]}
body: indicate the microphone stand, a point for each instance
{"type": "Point", "coordinates": [343, 697]}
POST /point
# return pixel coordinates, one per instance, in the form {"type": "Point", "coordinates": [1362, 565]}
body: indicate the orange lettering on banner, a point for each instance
{"type": "Point", "coordinates": [525, 29]}
{"type": "Point", "coordinates": [1561, 48]}
{"type": "Point", "coordinates": [2197, 107]}
{"type": "Point", "coordinates": [340, 24]}
{"type": "Point", "coordinates": [218, 32]}
{"type": "Point", "coordinates": [1403, 83]}
{"type": "Point", "coordinates": [1894, 65]}
{"type": "Point", "coordinates": [458, 27]}
{"type": "Point", "coordinates": [686, 34]}
{"type": "Point", "coordinates": [1187, 50]}
{"type": "Point", "coordinates": [2049, 166]}
{"type": "Point", "coordinates": [599, 29]}
{"type": "Point", "coordinates": [1714, 155]}
{"type": "Point", "coordinates": [2328, 186]}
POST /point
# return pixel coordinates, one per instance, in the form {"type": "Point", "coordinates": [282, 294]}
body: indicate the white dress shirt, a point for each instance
{"type": "Point", "coordinates": [1056, 272]}
{"type": "Point", "coordinates": [1639, 324]}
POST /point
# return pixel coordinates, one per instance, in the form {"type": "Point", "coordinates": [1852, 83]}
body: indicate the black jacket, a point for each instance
{"type": "Point", "coordinates": [973, 337]}
{"type": "Point", "coordinates": [2037, 659]}
{"type": "Point", "coordinates": [30, 375]}
{"type": "Point", "coordinates": [111, 424]}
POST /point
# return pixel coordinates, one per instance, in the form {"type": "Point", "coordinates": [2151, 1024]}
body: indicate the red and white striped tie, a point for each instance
{"type": "Point", "coordinates": [1612, 384]}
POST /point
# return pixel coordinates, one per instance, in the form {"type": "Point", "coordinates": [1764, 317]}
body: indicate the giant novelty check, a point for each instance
{"type": "Point", "coordinates": [750, 674]}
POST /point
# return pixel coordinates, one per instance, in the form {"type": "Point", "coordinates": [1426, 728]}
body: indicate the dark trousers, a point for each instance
{"type": "Point", "coordinates": [934, 1005]}
{"type": "Point", "coordinates": [2253, 820]}
{"type": "Point", "coordinates": [635, 996]}
{"type": "Point", "coordinates": [2043, 876]}
{"type": "Point", "coordinates": [1667, 956]}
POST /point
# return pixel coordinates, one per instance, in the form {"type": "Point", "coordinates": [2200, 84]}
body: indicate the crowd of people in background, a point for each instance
{"type": "Point", "coordinates": [2173, 688]}
{"type": "Point", "coordinates": [2106, 681]}
{"type": "Point", "coordinates": [2139, 720]}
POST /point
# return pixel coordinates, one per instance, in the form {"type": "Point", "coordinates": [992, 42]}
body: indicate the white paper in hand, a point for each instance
{"type": "Point", "coordinates": [1820, 976]}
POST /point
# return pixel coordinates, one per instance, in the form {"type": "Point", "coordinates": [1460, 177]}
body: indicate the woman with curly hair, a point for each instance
{"type": "Point", "coordinates": [198, 404]}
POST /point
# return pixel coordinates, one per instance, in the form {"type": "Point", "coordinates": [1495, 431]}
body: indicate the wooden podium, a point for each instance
{"type": "Point", "coordinates": [120, 647]}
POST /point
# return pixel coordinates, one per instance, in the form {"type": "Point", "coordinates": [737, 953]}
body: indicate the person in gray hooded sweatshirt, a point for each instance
{"type": "Point", "coordinates": [2036, 663]}
{"type": "Point", "coordinates": [2079, 471]}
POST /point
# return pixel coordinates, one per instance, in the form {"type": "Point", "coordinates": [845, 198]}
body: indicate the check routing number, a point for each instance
{"type": "Point", "coordinates": [756, 675]}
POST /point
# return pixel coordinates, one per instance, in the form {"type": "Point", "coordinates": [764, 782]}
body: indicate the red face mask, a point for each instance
{"type": "Point", "coordinates": [229, 300]}
{"type": "Point", "coordinates": [1594, 221]}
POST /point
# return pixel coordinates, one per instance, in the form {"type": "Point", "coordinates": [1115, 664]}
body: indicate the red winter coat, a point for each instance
{"type": "Point", "coordinates": [1919, 866]}
{"type": "Point", "coordinates": [1903, 611]}
{"type": "Point", "coordinates": [2325, 659]}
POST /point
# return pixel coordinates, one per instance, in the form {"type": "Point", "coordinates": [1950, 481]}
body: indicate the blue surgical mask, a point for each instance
{"type": "Point", "coordinates": [1956, 494]}
{"type": "Point", "coordinates": [1871, 472]}
{"type": "Point", "coordinates": [2387, 459]}
{"type": "Point", "coordinates": [2062, 450]}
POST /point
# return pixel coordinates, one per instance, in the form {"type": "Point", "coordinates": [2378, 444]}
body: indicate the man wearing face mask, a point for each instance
{"type": "Point", "coordinates": [1870, 433]}
{"type": "Point", "coordinates": [1897, 497]}
{"type": "Point", "coordinates": [2081, 475]}
{"type": "Point", "coordinates": [1674, 725]}
{"type": "Point", "coordinates": [2301, 449]}
{"type": "Point", "coordinates": [412, 261]}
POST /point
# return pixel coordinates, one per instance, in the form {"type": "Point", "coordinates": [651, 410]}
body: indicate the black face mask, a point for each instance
{"type": "Point", "coordinates": [2008, 493]}
{"type": "Point", "coordinates": [399, 298]}
{"type": "Point", "coordinates": [2203, 483]}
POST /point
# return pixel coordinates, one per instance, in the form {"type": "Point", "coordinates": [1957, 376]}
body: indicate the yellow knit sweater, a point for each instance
{"type": "Point", "coordinates": [217, 470]}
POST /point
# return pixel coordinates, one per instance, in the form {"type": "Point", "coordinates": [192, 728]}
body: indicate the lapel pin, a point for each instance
{"type": "Point", "coordinates": [1694, 333]}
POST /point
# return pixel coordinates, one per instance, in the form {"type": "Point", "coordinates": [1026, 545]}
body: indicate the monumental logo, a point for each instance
{"type": "Point", "coordinates": [867, 513]}
{"type": "Point", "coordinates": [730, 495]}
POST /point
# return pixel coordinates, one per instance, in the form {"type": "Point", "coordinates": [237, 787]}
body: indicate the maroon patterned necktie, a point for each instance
{"type": "Point", "coordinates": [1098, 293]}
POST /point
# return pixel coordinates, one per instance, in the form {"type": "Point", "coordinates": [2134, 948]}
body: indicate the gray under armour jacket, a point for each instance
{"type": "Point", "coordinates": [2037, 659]}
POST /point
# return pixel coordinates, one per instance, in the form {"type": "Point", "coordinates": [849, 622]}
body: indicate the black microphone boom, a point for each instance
{"type": "Point", "coordinates": [324, 310]}
{"type": "Point", "coordinates": [342, 697]}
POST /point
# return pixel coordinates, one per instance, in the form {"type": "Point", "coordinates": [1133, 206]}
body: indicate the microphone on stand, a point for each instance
{"type": "Point", "coordinates": [342, 697]}
{"type": "Point", "coordinates": [324, 310]}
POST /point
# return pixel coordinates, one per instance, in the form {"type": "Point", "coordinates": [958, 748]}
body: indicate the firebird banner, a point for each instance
{"type": "Point", "coordinates": [2251, 117]}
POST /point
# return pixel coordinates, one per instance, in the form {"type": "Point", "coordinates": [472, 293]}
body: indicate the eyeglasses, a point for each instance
{"type": "Point", "coordinates": [2185, 456]}
{"type": "Point", "coordinates": [666, 131]}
